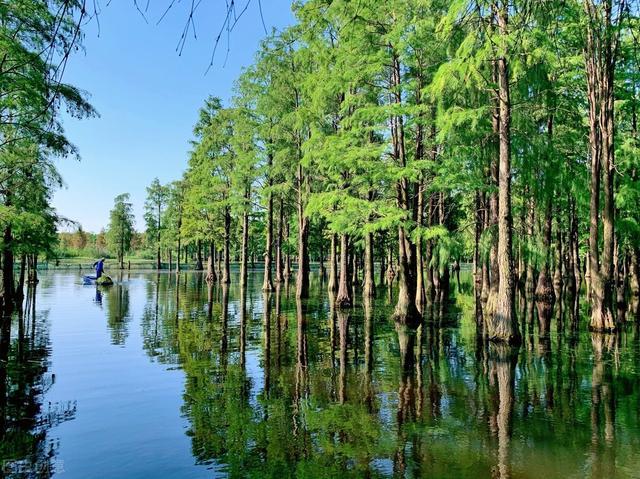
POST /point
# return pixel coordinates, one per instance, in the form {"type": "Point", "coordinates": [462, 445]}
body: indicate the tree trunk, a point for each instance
{"type": "Point", "coordinates": [302, 279]}
{"type": "Point", "coordinates": [332, 285]}
{"type": "Point", "coordinates": [199, 265]}
{"type": "Point", "coordinates": [575, 247]}
{"type": "Point", "coordinates": [7, 268]}
{"type": "Point", "coordinates": [557, 275]}
{"type": "Point", "coordinates": [20, 289]}
{"type": "Point", "coordinates": [420, 287]}
{"type": "Point", "coordinates": [600, 66]}
{"type": "Point", "coordinates": [503, 326]}
{"type": "Point", "coordinates": [544, 289]}
{"type": "Point", "coordinates": [343, 299]}
{"type": "Point", "coordinates": [486, 280]}
{"type": "Point", "coordinates": [390, 273]}
{"type": "Point", "coordinates": [477, 266]}
{"type": "Point", "coordinates": [382, 260]}
{"type": "Point", "coordinates": [245, 248]}
{"type": "Point", "coordinates": [218, 258]}
{"type": "Point", "coordinates": [178, 256]}
{"type": "Point", "coordinates": [405, 311]}
{"type": "Point", "coordinates": [211, 271]}
{"type": "Point", "coordinates": [287, 257]}
{"type": "Point", "coordinates": [369, 288]}
{"type": "Point", "coordinates": [279, 266]}
{"type": "Point", "coordinates": [634, 268]}
{"type": "Point", "coordinates": [530, 279]}
{"type": "Point", "coordinates": [226, 273]}
{"type": "Point", "coordinates": [322, 271]}
{"type": "Point", "coordinates": [267, 283]}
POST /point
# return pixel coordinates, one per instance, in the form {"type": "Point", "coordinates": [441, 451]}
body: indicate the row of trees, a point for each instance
{"type": "Point", "coordinates": [421, 133]}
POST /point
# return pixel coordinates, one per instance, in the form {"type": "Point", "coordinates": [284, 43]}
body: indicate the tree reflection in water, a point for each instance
{"type": "Point", "coordinates": [27, 449]}
{"type": "Point", "coordinates": [351, 394]}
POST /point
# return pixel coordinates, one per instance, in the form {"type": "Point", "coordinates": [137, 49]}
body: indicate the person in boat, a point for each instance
{"type": "Point", "coordinates": [99, 266]}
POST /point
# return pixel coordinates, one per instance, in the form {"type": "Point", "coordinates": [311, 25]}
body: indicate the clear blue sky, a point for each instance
{"type": "Point", "coordinates": [148, 98]}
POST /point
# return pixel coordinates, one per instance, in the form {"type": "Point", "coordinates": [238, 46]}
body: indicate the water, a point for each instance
{"type": "Point", "coordinates": [161, 377]}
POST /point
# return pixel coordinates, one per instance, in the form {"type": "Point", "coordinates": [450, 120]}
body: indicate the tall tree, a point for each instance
{"type": "Point", "coordinates": [154, 207]}
{"type": "Point", "coordinates": [120, 230]}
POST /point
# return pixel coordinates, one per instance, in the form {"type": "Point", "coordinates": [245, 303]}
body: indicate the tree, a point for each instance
{"type": "Point", "coordinates": [120, 230]}
{"type": "Point", "coordinates": [154, 206]}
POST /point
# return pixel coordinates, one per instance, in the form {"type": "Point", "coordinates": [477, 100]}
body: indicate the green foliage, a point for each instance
{"type": "Point", "coordinates": [120, 231]}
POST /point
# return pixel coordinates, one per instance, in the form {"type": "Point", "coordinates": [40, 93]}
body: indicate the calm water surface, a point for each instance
{"type": "Point", "coordinates": [164, 377]}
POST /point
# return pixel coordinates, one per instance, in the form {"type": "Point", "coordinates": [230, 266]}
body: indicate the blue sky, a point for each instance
{"type": "Point", "coordinates": [148, 98]}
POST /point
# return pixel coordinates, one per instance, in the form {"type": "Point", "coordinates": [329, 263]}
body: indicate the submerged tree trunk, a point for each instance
{"type": "Point", "coordinates": [529, 284]}
{"type": "Point", "coordinates": [332, 285]}
{"type": "Point", "coordinates": [575, 247]}
{"type": "Point", "coordinates": [369, 287]}
{"type": "Point", "coordinates": [600, 62]}
{"type": "Point", "coordinates": [279, 266]}
{"type": "Point", "coordinates": [634, 270]}
{"type": "Point", "coordinates": [343, 299]}
{"type": "Point", "coordinates": [245, 247]}
{"type": "Point", "coordinates": [503, 325]}
{"type": "Point", "coordinates": [19, 296]}
{"type": "Point", "coordinates": [199, 264]}
{"type": "Point", "coordinates": [477, 267]}
{"type": "Point", "coordinates": [267, 283]}
{"type": "Point", "coordinates": [7, 267]}
{"type": "Point", "coordinates": [302, 279]}
{"type": "Point", "coordinates": [544, 289]}
{"type": "Point", "coordinates": [226, 273]}
{"type": "Point", "coordinates": [557, 275]}
{"type": "Point", "coordinates": [211, 270]}
{"type": "Point", "coordinates": [405, 310]}
{"type": "Point", "coordinates": [420, 286]}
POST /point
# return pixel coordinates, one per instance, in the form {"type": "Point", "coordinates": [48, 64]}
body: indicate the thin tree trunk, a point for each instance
{"type": "Point", "coordinates": [199, 265]}
{"type": "Point", "coordinates": [557, 275]}
{"type": "Point", "coordinates": [302, 279]}
{"type": "Point", "coordinates": [267, 283]}
{"type": "Point", "coordinates": [218, 257]}
{"type": "Point", "coordinates": [634, 269]}
{"type": "Point", "coordinates": [420, 287]}
{"type": "Point", "coordinates": [322, 270]}
{"type": "Point", "coordinates": [477, 267]}
{"type": "Point", "coordinates": [544, 289]}
{"type": "Point", "coordinates": [287, 256]}
{"type": "Point", "coordinates": [383, 264]}
{"type": "Point", "coordinates": [279, 266]}
{"type": "Point", "coordinates": [211, 270]}
{"type": "Point", "coordinates": [7, 268]}
{"type": "Point", "coordinates": [332, 285]}
{"type": "Point", "coordinates": [20, 289]}
{"type": "Point", "coordinates": [343, 299]}
{"type": "Point", "coordinates": [369, 288]}
{"type": "Point", "coordinates": [575, 247]}
{"type": "Point", "coordinates": [245, 246]}
{"type": "Point", "coordinates": [530, 279]}
{"type": "Point", "coordinates": [226, 273]}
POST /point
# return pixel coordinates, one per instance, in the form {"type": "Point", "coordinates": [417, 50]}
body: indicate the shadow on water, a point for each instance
{"type": "Point", "coordinates": [279, 387]}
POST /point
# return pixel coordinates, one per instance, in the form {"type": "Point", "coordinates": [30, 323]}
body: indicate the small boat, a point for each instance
{"type": "Point", "coordinates": [103, 280]}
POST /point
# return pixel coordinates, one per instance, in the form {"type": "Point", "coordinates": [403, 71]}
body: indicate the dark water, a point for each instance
{"type": "Point", "coordinates": [162, 377]}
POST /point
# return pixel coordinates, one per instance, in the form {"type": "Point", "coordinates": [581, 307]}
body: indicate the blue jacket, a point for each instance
{"type": "Point", "coordinates": [99, 265]}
